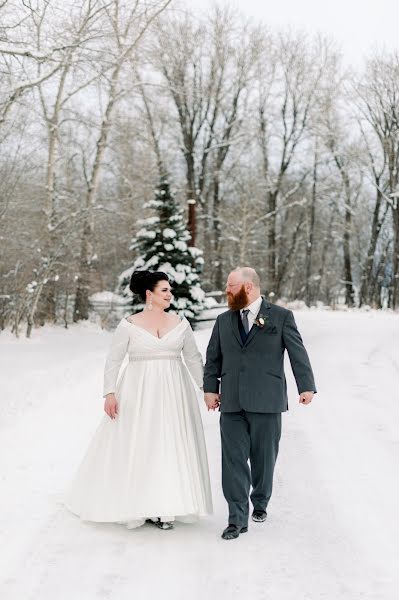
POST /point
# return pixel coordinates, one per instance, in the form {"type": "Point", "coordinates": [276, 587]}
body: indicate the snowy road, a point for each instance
{"type": "Point", "coordinates": [333, 526]}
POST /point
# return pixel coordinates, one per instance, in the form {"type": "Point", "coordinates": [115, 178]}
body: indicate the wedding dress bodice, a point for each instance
{"type": "Point", "coordinates": [140, 344]}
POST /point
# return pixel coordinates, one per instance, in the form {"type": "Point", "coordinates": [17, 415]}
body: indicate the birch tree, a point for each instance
{"type": "Point", "coordinates": [129, 24]}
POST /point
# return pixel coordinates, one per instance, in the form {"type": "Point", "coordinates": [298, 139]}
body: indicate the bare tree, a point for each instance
{"type": "Point", "coordinates": [289, 81]}
{"type": "Point", "coordinates": [311, 226]}
{"type": "Point", "coordinates": [207, 72]}
{"type": "Point", "coordinates": [345, 158]}
{"type": "Point", "coordinates": [129, 24]}
{"type": "Point", "coordinates": [279, 164]}
{"type": "Point", "coordinates": [80, 40]}
{"type": "Point", "coordinates": [19, 58]}
{"type": "Point", "coordinates": [378, 94]}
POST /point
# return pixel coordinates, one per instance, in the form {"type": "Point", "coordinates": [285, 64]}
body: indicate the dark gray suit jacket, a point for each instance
{"type": "Point", "coordinates": [251, 375]}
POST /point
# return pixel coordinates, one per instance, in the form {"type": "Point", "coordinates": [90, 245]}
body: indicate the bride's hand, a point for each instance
{"type": "Point", "coordinates": [111, 405]}
{"type": "Point", "coordinates": [212, 400]}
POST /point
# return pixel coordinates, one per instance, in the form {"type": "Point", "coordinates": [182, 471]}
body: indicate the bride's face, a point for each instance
{"type": "Point", "coordinates": [162, 295]}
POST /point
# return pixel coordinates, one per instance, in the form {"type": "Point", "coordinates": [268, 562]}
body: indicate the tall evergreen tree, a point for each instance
{"type": "Point", "coordinates": [162, 245]}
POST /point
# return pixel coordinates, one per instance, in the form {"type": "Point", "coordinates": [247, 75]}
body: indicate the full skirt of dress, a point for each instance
{"type": "Point", "coordinates": [151, 460]}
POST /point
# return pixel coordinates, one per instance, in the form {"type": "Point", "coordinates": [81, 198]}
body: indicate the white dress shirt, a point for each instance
{"type": "Point", "coordinates": [254, 309]}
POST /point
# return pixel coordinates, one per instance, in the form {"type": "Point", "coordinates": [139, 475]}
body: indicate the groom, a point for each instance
{"type": "Point", "coordinates": [246, 355]}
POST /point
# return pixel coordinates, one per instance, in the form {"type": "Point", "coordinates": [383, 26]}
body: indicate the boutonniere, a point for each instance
{"type": "Point", "coordinates": [260, 321]}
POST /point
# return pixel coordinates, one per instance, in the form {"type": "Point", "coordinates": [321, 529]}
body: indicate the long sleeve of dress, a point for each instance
{"type": "Point", "coordinates": [192, 356]}
{"type": "Point", "coordinates": [116, 354]}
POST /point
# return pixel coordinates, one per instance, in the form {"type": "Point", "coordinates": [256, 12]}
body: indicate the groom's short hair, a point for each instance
{"type": "Point", "coordinates": [249, 274]}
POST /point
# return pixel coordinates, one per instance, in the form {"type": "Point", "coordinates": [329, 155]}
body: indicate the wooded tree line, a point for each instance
{"type": "Point", "coordinates": [283, 158]}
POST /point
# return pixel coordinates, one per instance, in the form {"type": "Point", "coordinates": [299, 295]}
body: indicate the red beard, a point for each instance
{"type": "Point", "coordinates": [239, 300]}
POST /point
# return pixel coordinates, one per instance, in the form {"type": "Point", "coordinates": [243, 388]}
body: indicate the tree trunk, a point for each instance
{"type": "Point", "coordinates": [349, 291]}
{"type": "Point", "coordinates": [284, 264]}
{"type": "Point", "coordinates": [86, 267]}
{"type": "Point", "coordinates": [191, 191]}
{"type": "Point", "coordinates": [84, 282]}
{"type": "Point", "coordinates": [348, 282]}
{"type": "Point", "coordinates": [192, 222]}
{"type": "Point", "coordinates": [326, 245]}
{"type": "Point", "coordinates": [218, 282]}
{"type": "Point", "coordinates": [309, 245]}
{"type": "Point", "coordinates": [367, 271]}
{"type": "Point", "coordinates": [395, 261]}
{"type": "Point", "coordinates": [271, 242]}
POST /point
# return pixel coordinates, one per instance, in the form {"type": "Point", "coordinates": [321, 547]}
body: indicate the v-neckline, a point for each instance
{"type": "Point", "coordinates": [151, 334]}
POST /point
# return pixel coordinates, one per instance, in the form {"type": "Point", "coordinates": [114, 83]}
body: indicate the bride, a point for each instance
{"type": "Point", "coordinates": [147, 459]}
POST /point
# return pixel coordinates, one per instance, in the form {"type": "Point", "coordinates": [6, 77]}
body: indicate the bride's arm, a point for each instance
{"type": "Point", "coordinates": [115, 357]}
{"type": "Point", "coordinates": [192, 356]}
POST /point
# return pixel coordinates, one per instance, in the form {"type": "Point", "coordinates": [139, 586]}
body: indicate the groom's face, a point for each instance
{"type": "Point", "coordinates": [237, 296]}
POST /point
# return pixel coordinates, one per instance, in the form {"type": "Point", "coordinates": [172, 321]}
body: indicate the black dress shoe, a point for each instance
{"type": "Point", "coordinates": [259, 516]}
{"type": "Point", "coordinates": [232, 531]}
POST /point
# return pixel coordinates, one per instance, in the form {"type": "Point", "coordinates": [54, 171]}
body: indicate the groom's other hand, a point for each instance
{"type": "Point", "coordinates": [306, 397]}
{"type": "Point", "coordinates": [212, 400]}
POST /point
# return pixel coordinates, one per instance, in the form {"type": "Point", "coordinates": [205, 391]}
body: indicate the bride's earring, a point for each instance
{"type": "Point", "coordinates": [150, 304]}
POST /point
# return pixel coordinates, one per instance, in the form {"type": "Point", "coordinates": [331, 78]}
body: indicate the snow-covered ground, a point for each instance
{"type": "Point", "coordinates": [333, 525]}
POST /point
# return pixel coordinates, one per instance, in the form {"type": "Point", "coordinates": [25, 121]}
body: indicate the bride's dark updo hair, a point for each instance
{"type": "Point", "coordinates": [146, 280]}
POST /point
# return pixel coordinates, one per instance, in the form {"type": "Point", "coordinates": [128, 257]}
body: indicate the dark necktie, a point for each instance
{"type": "Point", "coordinates": [244, 319]}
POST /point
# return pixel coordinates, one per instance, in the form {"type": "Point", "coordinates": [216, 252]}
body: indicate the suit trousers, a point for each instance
{"type": "Point", "coordinates": [248, 436]}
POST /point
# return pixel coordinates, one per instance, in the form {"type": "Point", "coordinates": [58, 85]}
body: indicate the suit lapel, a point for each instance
{"type": "Point", "coordinates": [265, 306]}
{"type": "Point", "coordinates": [235, 315]}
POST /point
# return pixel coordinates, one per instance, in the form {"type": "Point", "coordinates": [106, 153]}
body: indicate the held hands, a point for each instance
{"type": "Point", "coordinates": [212, 400]}
{"type": "Point", "coordinates": [111, 405]}
{"type": "Point", "coordinates": [306, 397]}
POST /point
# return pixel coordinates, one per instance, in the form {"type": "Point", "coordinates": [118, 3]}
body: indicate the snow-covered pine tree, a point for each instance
{"type": "Point", "coordinates": [162, 245]}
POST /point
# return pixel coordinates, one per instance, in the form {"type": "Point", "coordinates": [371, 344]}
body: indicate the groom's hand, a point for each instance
{"type": "Point", "coordinates": [306, 397]}
{"type": "Point", "coordinates": [212, 400]}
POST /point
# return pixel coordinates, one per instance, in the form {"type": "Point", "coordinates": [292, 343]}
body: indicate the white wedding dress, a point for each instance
{"type": "Point", "coordinates": [150, 461]}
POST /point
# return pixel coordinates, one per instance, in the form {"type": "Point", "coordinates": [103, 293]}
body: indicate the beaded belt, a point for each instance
{"type": "Point", "coordinates": [156, 357]}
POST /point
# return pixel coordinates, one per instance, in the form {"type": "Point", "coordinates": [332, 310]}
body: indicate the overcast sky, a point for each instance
{"type": "Point", "coordinates": [358, 25]}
